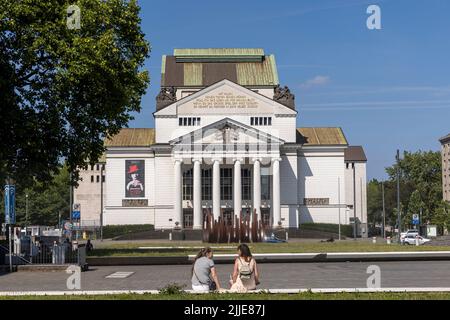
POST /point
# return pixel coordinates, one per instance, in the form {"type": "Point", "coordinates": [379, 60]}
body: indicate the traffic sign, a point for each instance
{"type": "Point", "coordinates": [415, 219]}
{"type": "Point", "coordinates": [68, 226]}
{"type": "Point", "coordinates": [10, 204]}
{"type": "Point", "coordinates": [76, 211]}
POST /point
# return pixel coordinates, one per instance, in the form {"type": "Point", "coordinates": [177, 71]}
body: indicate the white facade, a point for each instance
{"type": "Point", "coordinates": [208, 154]}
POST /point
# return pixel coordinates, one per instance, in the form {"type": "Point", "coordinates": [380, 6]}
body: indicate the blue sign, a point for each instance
{"type": "Point", "coordinates": [75, 215]}
{"type": "Point", "coordinates": [415, 219]}
{"type": "Point", "coordinates": [10, 204]}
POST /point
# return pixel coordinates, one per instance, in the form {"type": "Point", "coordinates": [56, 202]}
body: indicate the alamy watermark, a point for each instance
{"type": "Point", "coordinates": [374, 20]}
{"type": "Point", "coordinates": [73, 17]}
{"type": "Point", "coordinates": [73, 282]}
{"type": "Point", "coordinates": [374, 280]}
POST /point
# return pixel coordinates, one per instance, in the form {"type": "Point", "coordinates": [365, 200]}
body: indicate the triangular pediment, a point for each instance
{"type": "Point", "coordinates": [225, 132]}
{"type": "Point", "coordinates": [226, 97]}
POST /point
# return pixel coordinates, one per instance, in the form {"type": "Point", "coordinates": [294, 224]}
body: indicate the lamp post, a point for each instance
{"type": "Point", "coordinates": [26, 211]}
{"type": "Point", "coordinates": [384, 211]}
{"type": "Point", "coordinates": [354, 201]}
{"type": "Point", "coordinates": [399, 218]}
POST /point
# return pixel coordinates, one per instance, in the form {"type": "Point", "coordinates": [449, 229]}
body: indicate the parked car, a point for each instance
{"type": "Point", "coordinates": [413, 232]}
{"type": "Point", "coordinates": [273, 239]}
{"type": "Point", "coordinates": [410, 239]}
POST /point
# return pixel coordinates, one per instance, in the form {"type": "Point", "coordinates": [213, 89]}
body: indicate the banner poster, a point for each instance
{"type": "Point", "coordinates": [134, 178]}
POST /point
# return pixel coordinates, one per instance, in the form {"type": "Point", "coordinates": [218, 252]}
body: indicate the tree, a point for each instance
{"type": "Point", "coordinates": [62, 90]}
{"type": "Point", "coordinates": [46, 201]}
{"type": "Point", "coordinates": [420, 188]}
{"type": "Point", "coordinates": [421, 172]}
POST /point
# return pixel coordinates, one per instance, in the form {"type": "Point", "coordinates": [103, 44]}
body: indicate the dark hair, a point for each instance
{"type": "Point", "coordinates": [202, 253]}
{"type": "Point", "coordinates": [245, 251]}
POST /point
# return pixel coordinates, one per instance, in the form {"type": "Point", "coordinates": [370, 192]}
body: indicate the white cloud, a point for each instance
{"type": "Point", "coordinates": [316, 81]}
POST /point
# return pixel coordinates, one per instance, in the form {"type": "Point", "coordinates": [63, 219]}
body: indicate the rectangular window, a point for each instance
{"type": "Point", "coordinates": [265, 187]}
{"type": "Point", "coordinates": [265, 121]}
{"type": "Point", "coordinates": [187, 184]}
{"type": "Point", "coordinates": [246, 180]}
{"type": "Point", "coordinates": [189, 121]}
{"type": "Point", "coordinates": [103, 178]}
{"type": "Point", "coordinates": [252, 121]}
{"type": "Point", "coordinates": [226, 183]}
{"type": "Point", "coordinates": [198, 121]}
{"type": "Point", "coordinates": [92, 178]}
{"type": "Point", "coordinates": [260, 121]}
{"type": "Point", "coordinates": [97, 167]}
{"type": "Point", "coordinates": [206, 184]}
{"type": "Point", "coordinates": [194, 121]}
{"type": "Point", "coordinates": [270, 121]}
{"type": "Point", "coordinates": [98, 178]}
{"type": "Point", "coordinates": [184, 121]}
{"type": "Point", "coordinates": [180, 121]}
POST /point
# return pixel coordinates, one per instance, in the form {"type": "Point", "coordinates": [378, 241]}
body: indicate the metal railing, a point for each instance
{"type": "Point", "coordinates": [40, 252]}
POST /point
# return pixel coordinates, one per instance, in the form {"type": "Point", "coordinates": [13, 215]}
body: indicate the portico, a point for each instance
{"type": "Point", "coordinates": [220, 201]}
{"type": "Point", "coordinates": [216, 175]}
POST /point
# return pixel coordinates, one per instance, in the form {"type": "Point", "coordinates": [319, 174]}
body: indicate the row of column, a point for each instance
{"type": "Point", "coordinates": [237, 195]}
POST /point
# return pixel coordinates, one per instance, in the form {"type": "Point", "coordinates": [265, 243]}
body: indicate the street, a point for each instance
{"type": "Point", "coordinates": [273, 276]}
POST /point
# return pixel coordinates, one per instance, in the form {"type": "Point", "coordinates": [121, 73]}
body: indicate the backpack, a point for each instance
{"type": "Point", "coordinates": [245, 271]}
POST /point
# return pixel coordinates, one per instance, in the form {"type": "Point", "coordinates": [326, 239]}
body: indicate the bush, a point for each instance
{"type": "Point", "coordinates": [119, 230]}
{"type": "Point", "coordinates": [172, 289]}
{"type": "Point", "coordinates": [346, 230]}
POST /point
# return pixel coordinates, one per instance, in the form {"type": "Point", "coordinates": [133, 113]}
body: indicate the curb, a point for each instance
{"type": "Point", "coordinates": [271, 291]}
{"type": "Point", "coordinates": [279, 258]}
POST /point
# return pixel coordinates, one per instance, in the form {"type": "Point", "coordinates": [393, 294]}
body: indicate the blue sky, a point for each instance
{"type": "Point", "coordinates": [386, 88]}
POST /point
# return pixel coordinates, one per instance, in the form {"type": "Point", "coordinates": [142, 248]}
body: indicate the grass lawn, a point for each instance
{"type": "Point", "coordinates": [132, 248]}
{"type": "Point", "coordinates": [256, 296]}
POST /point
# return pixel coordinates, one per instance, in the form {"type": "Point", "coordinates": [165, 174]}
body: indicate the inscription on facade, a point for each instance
{"type": "Point", "coordinates": [225, 100]}
{"type": "Point", "coordinates": [316, 201]}
{"type": "Point", "coordinates": [134, 203]}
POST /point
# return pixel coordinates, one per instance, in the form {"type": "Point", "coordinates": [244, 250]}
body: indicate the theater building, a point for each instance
{"type": "Point", "coordinates": [226, 142]}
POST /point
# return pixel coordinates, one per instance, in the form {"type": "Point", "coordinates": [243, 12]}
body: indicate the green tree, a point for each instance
{"type": "Point", "coordinates": [46, 201]}
{"type": "Point", "coordinates": [421, 172]}
{"type": "Point", "coordinates": [62, 90]}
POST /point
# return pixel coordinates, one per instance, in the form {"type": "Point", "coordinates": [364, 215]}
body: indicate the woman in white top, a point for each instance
{"type": "Point", "coordinates": [245, 273]}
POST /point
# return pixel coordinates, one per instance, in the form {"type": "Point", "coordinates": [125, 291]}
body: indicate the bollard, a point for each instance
{"type": "Point", "coordinates": [388, 240]}
{"type": "Point", "coordinates": [374, 240]}
{"type": "Point", "coordinates": [417, 240]}
{"type": "Point", "coordinates": [170, 236]}
{"type": "Point", "coordinates": [287, 236]}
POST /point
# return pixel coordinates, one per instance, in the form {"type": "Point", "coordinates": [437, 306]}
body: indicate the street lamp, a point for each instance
{"type": "Point", "coordinates": [26, 211]}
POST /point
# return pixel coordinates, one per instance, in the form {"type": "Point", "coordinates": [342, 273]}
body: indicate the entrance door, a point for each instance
{"type": "Point", "coordinates": [188, 218]}
{"type": "Point", "coordinates": [227, 216]}
{"type": "Point", "coordinates": [265, 216]}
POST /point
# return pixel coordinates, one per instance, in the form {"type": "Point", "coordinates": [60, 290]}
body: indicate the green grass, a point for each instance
{"type": "Point", "coordinates": [255, 296]}
{"type": "Point", "coordinates": [131, 249]}
{"type": "Point", "coordinates": [346, 230]}
{"type": "Point", "coordinates": [112, 231]}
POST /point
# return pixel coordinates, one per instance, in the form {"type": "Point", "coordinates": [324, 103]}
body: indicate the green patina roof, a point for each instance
{"type": "Point", "coordinates": [202, 67]}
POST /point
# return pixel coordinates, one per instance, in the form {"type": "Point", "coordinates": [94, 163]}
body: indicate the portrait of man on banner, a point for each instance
{"type": "Point", "coordinates": [135, 178]}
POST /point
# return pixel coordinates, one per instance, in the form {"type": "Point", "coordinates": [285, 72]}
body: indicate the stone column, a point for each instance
{"type": "Point", "coordinates": [257, 187]}
{"type": "Point", "coordinates": [237, 188]}
{"type": "Point", "coordinates": [198, 214]}
{"type": "Point", "coordinates": [276, 203]}
{"type": "Point", "coordinates": [178, 209]}
{"type": "Point", "coordinates": [216, 189]}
